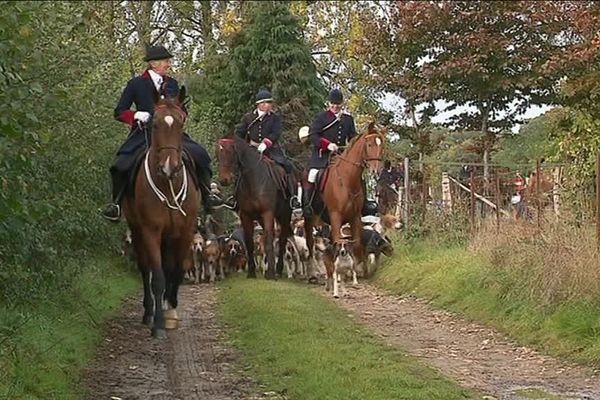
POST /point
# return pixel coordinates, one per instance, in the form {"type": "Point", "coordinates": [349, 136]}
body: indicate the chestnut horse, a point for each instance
{"type": "Point", "coordinates": [162, 214]}
{"type": "Point", "coordinates": [259, 192]}
{"type": "Point", "coordinates": [343, 194]}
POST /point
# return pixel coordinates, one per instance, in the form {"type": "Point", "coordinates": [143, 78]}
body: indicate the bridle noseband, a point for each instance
{"type": "Point", "coordinates": [365, 160]}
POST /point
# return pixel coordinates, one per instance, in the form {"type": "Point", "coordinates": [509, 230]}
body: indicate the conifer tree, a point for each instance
{"type": "Point", "coordinates": [269, 52]}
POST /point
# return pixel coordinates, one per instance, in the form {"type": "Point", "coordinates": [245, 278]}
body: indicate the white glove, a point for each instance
{"type": "Point", "coordinates": [261, 147]}
{"type": "Point", "coordinates": [332, 147]}
{"type": "Point", "coordinates": [142, 116]}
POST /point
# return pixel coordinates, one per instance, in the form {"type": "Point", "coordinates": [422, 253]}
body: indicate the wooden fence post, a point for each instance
{"type": "Point", "coordinates": [556, 190]}
{"type": "Point", "coordinates": [446, 193]}
{"type": "Point", "coordinates": [472, 210]}
{"type": "Point", "coordinates": [497, 202]}
{"type": "Point", "coordinates": [598, 199]}
{"type": "Point", "coordinates": [406, 193]}
{"type": "Point", "coordinates": [538, 194]}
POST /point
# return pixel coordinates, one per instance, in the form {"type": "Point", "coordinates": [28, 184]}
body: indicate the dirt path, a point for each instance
{"type": "Point", "coordinates": [474, 356]}
{"type": "Point", "coordinates": [193, 363]}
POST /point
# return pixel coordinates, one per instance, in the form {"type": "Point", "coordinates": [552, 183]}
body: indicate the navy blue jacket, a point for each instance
{"type": "Point", "coordinates": [255, 129]}
{"type": "Point", "coordinates": [267, 127]}
{"type": "Point", "coordinates": [339, 133]}
{"type": "Point", "coordinates": [141, 92]}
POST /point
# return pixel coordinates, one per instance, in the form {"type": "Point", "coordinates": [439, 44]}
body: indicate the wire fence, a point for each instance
{"type": "Point", "coordinates": [423, 192]}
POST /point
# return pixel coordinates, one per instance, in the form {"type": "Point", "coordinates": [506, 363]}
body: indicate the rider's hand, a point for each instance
{"type": "Point", "coordinates": [142, 116]}
{"type": "Point", "coordinates": [262, 147]}
{"type": "Point", "coordinates": [332, 147]}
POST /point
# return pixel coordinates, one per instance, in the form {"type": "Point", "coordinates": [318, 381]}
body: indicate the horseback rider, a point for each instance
{"type": "Point", "coordinates": [389, 176]}
{"type": "Point", "coordinates": [262, 129]}
{"type": "Point", "coordinates": [329, 130]}
{"type": "Point", "coordinates": [142, 90]}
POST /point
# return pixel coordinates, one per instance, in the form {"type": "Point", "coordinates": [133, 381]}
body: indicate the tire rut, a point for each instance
{"type": "Point", "coordinates": [194, 363]}
{"type": "Point", "coordinates": [475, 356]}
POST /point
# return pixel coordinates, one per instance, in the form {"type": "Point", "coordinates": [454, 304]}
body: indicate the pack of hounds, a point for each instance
{"type": "Point", "coordinates": [215, 257]}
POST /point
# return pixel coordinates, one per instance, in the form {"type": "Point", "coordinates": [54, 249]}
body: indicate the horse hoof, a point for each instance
{"type": "Point", "coordinates": [313, 280]}
{"type": "Point", "coordinates": [270, 277]}
{"type": "Point", "coordinates": [147, 320]}
{"type": "Point", "coordinates": [251, 275]}
{"type": "Point", "coordinates": [159, 333]}
{"type": "Point", "coordinates": [336, 296]}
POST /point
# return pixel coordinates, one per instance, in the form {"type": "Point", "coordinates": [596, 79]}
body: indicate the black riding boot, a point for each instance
{"type": "Point", "coordinates": [307, 196]}
{"type": "Point", "coordinates": [112, 211]}
{"type": "Point", "coordinates": [294, 200]}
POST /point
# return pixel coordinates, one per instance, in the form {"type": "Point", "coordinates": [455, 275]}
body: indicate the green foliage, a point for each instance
{"type": "Point", "coordinates": [43, 346]}
{"type": "Point", "coordinates": [294, 341]}
{"type": "Point", "coordinates": [57, 136]}
{"type": "Point", "coordinates": [536, 140]}
{"type": "Point", "coordinates": [268, 53]}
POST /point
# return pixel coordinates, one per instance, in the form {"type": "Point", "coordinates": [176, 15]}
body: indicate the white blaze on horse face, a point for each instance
{"type": "Point", "coordinates": [378, 141]}
{"type": "Point", "coordinates": [167, 167]}
{"type": "Point", "coordinates": [169, 120]}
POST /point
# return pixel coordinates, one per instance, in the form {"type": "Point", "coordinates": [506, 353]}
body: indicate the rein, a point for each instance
{"type": "Point", "coordinates": [179, 198]}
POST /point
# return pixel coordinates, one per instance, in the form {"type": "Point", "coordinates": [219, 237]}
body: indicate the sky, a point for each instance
{"type": "Point", "coordinates": [394, 103]}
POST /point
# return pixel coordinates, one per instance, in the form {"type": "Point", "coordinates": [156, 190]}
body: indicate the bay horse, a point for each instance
{"type": "Point", "coordinates": [387, 196]}
{"type": "Point", "coordinates": [343, 194]}
{"type": "Point", "coordinates": [162, 214]}
{"type": "Point", "coordinates": [259, 192]}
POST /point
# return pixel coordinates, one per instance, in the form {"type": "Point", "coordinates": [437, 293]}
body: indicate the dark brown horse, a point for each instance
{"type": "Point", "coordinates": [343, 194]}
{"type": "Point", "coordinates": [387, 198]}
{"type": "Point", "coordinates": [162, 214]}
{"type": "Point", "coordinates": [259, 192]}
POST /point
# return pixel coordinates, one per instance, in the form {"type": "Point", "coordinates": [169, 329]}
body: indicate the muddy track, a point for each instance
{"type": "Point", "coordinates": [193, 363]}
{"type": "Point", "coordinates": [471, 354]}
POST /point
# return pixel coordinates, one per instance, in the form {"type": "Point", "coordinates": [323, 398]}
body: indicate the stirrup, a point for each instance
{"type": "Point", "coordinates": [295, 203]}
{"type": "Point", "coordinates": [230, 203]}
{"type": "Point", "coordinates": [110, 214]}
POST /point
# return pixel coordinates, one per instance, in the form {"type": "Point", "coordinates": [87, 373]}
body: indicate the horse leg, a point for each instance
{"type": "Point", "coordinates": [143, 264]}
{"type": "Point", "coordinates": [286, 232]}
{"type": "Point", "coordinates": [359, 256]}
{"type": "Point", "coordinates": [152, 246]}
{"type": "Point", "coordinates": [148, 300]}
{"type": "Point", "coordinates": [248, 226]}
{"type": "Point", "coordinates": [269, 253]}
{"type": "Point", "coordinates": [311, 269]}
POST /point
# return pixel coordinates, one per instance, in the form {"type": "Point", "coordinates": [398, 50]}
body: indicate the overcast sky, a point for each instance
{"type": "Point", "coordinates": [395, 104]}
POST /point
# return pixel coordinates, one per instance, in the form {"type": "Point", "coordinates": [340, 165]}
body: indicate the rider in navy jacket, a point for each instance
{"type": "Point", "coordinates": [330, 130]}
{"type": "Point", "coordinates": [262, 129]}
{"type": "Point", "coordinates": [141, 91]}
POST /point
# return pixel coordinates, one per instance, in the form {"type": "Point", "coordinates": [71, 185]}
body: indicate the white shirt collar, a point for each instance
{"type": "Point", "coordinates": [260, 113]}
{"type": "Point", "coordinates": [156, 78]}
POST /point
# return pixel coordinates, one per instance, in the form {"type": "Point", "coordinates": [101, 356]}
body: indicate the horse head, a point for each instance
{"type": "Point", "coordinates": [227, 161]}
{"type": "Point", "coordinates": [373, 149]}
{"type": "Point", "coordinates": [167, 134]}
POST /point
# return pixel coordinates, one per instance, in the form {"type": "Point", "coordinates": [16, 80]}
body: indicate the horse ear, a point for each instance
{"type": "Point", "coordinates": [182, 94]}
{"type": "Point", "coordinates": [155, 96]}
{"type": "Point", "coordinates": [371, 128]}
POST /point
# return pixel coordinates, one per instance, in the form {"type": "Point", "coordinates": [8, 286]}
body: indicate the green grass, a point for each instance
{"type": "Point", "coordinates": [296, 342]}
{"type": "Point", "coordinates": [44, 346]}
{"type": "Point", "coordinates": [456, 279]}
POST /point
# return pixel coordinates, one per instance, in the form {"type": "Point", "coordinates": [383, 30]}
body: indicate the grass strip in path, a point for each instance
{"type": "Point", "coordinates": [297, 343]}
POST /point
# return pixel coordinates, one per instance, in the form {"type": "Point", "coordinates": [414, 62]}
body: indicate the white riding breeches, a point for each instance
{"type": "Point", "coordinates": [312, 175]}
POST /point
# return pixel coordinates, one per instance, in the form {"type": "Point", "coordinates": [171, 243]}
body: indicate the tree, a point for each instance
{"type": "Point", "coordinates": [484, 57]}
{"type": "Point", "coordinates": [268, 53]}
